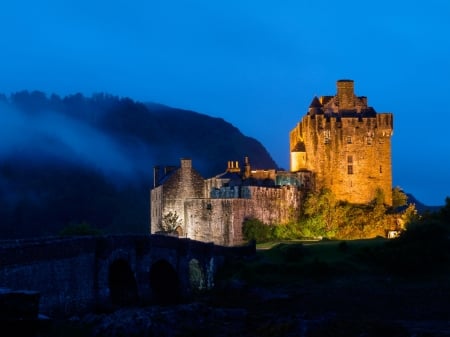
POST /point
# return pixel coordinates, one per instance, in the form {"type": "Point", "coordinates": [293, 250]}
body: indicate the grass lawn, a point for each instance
{"type": "Point", "coordinates": [329, 251]}
{"type": "Point", "coordinates": [293, 262]}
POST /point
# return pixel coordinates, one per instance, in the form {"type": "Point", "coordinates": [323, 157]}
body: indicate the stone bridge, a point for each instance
{"type": "Point", "coordinates": [81, 274]}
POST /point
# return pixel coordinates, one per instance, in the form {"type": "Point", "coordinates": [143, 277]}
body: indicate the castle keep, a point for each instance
{"type": "Point", "coordinates": [346, 145]}
{"type": "Point", "coordinates": [341, 144]}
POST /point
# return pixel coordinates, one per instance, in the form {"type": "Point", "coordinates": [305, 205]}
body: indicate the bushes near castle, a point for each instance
{"type": "Point", "coordinates": [325, 217]}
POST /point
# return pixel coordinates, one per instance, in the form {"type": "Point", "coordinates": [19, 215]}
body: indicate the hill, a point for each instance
{"type": "Point", "coordinates": [73, 159]}
{"type": "Point", "coordinates": [421, 207]}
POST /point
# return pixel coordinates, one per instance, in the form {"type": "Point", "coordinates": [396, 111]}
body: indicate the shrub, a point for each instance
{"type": "Point", "coordinates": [422, 249]}
{"type": "Point", "coordinates": [254, 229]}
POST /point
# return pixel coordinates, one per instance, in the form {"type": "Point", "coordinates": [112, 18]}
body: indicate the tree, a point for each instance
{"type": "Point", "coordinates": [170, 222]}
{"type": "Point", "coordinates": [255, 229]}
{"type": "Point", "coordinates": [444, 212]}
{"type": "Point", "coordinates": [322, 212]}
{"type": "Point", "coordinates": [410, 215]}
{"type": "Point", "coordinates": [399, 198]}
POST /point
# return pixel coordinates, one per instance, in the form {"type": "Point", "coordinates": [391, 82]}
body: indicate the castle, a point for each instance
{"type": "Point", "coordinates": [341, 144]}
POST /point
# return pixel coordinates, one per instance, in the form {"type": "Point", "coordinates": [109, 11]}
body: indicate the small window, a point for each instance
{"type": "Point", "coordinates": [349, 139]}
{"type": "Point", "coordinates": [327, 136]}
{"type": "Point", "coordinates": [381, 169]}
{"type": "Point", "coordinates": [350, 159]}
{"type": "Point", "coordinates": [350, 169]}
{"type": "Point", "coordinates": [369, 140]}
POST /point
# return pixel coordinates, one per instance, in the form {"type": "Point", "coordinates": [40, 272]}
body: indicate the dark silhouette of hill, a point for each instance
{"type": "Point", "coordinates": [73, 159]}
{"type": "Point", "coordinates": [421, 207]}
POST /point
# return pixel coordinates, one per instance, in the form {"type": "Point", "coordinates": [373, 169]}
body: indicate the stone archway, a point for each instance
{"type": "Point", "coordinates": [196, 276]}
{"type": "Point", "coordinates": [122, 284]}
{"type": "Point", "coordinates": [164, 283]}
{"type": "Point", "coordinates": [179, 231]}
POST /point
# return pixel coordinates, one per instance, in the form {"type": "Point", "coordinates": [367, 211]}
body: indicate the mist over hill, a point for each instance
{"type": "Point", "coordinates": [73, 159]}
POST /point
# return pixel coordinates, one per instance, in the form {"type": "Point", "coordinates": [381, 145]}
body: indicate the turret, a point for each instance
{"type": "Point", "coordinates": [298, 157]}
{"type": "Point", "coordinates": [315, 107]}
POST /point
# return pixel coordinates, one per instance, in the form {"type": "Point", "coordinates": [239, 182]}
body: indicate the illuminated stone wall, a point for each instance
{"type": "Point", "coordinates": [348, 150]}
{"type": "Point", "coordinates": [220, 220]}
{"type": "Point", "coordinates": [181, 184]}
{"type": "Point", "coordinates": [211, 211]}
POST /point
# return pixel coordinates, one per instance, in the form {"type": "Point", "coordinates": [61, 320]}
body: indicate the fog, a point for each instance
{"type": "Point", "coordinates": [50, 136]}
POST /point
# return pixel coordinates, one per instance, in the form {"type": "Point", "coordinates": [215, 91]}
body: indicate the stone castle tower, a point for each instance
{"type": "Point", "coordinates": [347, 146]}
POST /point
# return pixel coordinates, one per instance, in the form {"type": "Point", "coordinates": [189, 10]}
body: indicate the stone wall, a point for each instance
{"type": "Point", "coordinates": [351, 156]}
{"type": "Point", "coordinates": [61, 270]}
{"type": "Point", "coordinates": [72, 275]}
{"type": "Point", "coordinates": [183, 183]}
{"type": "Point", "coordinates": [156, 208]}
{"type": "Point", "coordinates": [220, 220]}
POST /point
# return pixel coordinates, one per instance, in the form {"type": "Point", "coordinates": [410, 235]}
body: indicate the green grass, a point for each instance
{"type": "Point", "coordinates": [326, 251]}
{"type": "Point", "coordinates": [293, 262]}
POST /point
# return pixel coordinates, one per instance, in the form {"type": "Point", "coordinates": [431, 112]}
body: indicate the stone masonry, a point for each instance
{"type": "Point", "coordinates": [347, 146]}
{"type": "Point", "coordinates": [213, 210]}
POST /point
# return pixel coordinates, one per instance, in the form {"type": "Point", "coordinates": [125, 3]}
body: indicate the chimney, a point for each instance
{"type": "Point", "coordinates": [155, 175]}
{"type": "Point", "coordinates": [246, 167]}
{"type": "Point", "coordinates": [233, 166]}
{"type": "Point", "coordinates": [345, 94]}
{"type": "Point", "coordinates": [186, 163]}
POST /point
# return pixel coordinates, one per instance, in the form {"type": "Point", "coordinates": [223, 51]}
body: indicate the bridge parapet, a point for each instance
{"type": "Point", "coordinates": [78, 274]}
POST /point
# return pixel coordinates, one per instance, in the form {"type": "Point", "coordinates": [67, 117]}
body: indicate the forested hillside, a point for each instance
{"type": "Point", "coordinates": [76, 159]}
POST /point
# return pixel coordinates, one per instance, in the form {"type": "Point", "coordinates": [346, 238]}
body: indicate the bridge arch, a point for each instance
{"type": "Point", "coordinates": [122, 284]}
{"type": "Point", "coordinates": [104, 272]}
{"type": "Point", "coordinates": [196, 276]}
{"type": "Point", "coordinates": [164, 283]}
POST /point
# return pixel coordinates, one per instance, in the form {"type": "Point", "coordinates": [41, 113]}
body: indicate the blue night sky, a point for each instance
{"type": "Point", "coordinates": [257, 64]}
